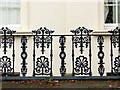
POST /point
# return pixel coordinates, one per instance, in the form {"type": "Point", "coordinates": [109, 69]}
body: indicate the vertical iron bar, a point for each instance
{"type": "Point", "coordinates": [34, 56]}
{"type": "Point", "coordinates": [119, 42]}
{"type": "Point", "coordinates": [90, 55]}
{"type": "Point", "coordinates": [43, 42]}
{"type": "Point", "coordinates": [81, 42]}
{"type": "Point", "coordinates": [111, 55]}
{"type": "Point", "coordinates": [51, 55]}
{"type": "Point", "coordinates": [13, 52]}
{"type": "Point", "coordinates": [4, 40]}
{"type": "Point", "coordinates": [73, 56]}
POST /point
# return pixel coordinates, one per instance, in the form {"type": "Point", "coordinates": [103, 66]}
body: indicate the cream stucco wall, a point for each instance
{"type": "Point", "coordinates": [63, 16]}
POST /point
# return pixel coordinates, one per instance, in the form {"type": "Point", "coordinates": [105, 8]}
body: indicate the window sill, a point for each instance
{"type": "Point", "coordinates": [108, 27]}
{"type": "Point", "coordinates": [17, 28]}
{"type": "Point", "coordinates": [14, 27]}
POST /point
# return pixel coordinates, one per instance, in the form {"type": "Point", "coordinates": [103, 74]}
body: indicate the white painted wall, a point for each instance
{"type": "Point", "coordinates": [63, 16]}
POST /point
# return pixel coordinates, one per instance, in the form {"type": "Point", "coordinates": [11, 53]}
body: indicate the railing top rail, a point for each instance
{"type": "Point", "coordinates": [44, 31]}
{"type": "Point", "coordinates": [92, 34]}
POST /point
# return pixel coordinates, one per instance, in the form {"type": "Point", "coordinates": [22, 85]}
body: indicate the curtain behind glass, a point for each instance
{"type": "Point", "coordinates": [9, 12]}
{"type": "Point", "coordinates": [110, 11]}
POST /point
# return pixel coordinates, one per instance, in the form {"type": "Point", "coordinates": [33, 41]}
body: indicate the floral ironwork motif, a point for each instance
{"type": "Point", "coordinates": [81, 64]}
{"type": "Point", "coordinates": [117, 64]}
{"type": "Point", "coordinates": [42, 64]}
{"type": "Point", "coordinates": [43, 38]}
{"type": "Point", "coordinates": [5, 65]}
{"type": "Point", "coordinates": [101, 68]}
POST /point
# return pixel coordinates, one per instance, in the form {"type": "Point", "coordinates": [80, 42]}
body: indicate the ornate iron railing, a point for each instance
{"type": "Point", "coordinates": [81, 52]}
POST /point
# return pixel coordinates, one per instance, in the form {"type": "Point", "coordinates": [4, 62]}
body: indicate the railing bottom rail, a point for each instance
{"type": "Point", "coordinates": [15, 78]}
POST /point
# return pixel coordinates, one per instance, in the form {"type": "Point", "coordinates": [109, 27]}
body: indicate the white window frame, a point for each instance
{"type": "Point", "coordinates": [108, 26]}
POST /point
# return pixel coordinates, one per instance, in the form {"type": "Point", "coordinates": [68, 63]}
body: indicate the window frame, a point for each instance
{"type": "Point", "coordinates": [12, 25]}
{"type": "Point", "coordinates": [24, 18]}
{"type": "Point", "coordinates": [111, 25]}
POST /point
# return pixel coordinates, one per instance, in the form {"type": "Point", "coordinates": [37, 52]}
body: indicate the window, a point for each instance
{"type": "Point", "coordinates": [9, 12]}
{"type": "Point", "coordinates": [111, 12]}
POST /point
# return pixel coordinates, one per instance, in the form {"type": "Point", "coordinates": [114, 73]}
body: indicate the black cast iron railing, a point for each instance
{"type": "Point", "coordinates": [42, 62]}
{"type": "Point", "coordinates": [80, 40]}
{"type": "Point", "coordinates": [7, 41]}
{"type": "Point", "coordinates": [42, 40]}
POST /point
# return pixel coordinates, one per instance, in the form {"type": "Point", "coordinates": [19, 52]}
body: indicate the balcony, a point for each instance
{"type": "Point", "coordinates": [46, 55]}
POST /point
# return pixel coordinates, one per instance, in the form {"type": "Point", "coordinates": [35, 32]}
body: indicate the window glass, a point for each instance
{"type": "Point", "coordinates": [110, 14]}
{"type": "Point", "coordinates": [110, 2]}
{"type": "Point", "coordinates": [119, 12]}
{"type": "Point", "coordinates": [118, 1]}
{"type": "Point", "coordinates": [9, 12]}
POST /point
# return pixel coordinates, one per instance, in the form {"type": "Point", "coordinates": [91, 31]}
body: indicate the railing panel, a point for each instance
{"type": "Point", "coordinates": [43, 53]}
{"type": "Point", "coordinates": [7, 61]}
{"type": "Point", "coordinates": [80, 41]}
{"type": "Point", "coordinates": [42, 64]}
{"type": "Point", "coordinates": [115, 51]}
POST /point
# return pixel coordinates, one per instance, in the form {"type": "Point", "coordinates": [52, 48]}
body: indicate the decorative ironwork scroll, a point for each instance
{"type": "Point", "coordinates": [7, 41]}
{"type": "Point", "coordinates": [115, 43]}
{"type": "Point", "coordinates": [42, 64]}
{"type": "Point", "coordinates": [42, 40]}
{"type": "Point", "coordinates": [5, 65]}
{"type": "Point", "coordinates": [81, 64]}
{"type": "Point", "coordinates": [62, 55]}
{"type": "Point", "coordinates": [117, 64]}
{"type": "Point", "coordinates": [81, 39]}
{"type": "Point", "coordinates": [24, 55]}
{"type": "Point", "coordinates": [101, 68]}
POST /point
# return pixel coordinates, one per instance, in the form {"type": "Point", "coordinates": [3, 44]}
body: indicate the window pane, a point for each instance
{"type": "Point", "coordinates": [110, 14]}
{"type": "Point", "coordinates": [9, 12]}
{"type": "Point", "coordinates": [110, 2]}
{"type": "Point", "coordinates": [14, 3]}
{"type": "Point", "coordinates": [119, 13]}
{"type": "Point", "coordinates": [118, 1]}
{"type": "Point", "coordinates": [3, 18]}
{"type": "Point", "coordinates": [3, 2]}
{"type": "Point", "coordinates": [14, 16]}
